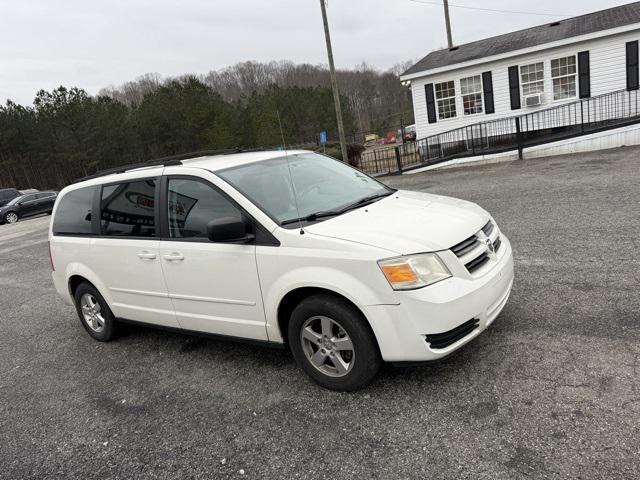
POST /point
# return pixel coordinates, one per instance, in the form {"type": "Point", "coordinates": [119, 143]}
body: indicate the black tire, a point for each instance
{"type": "Point", "coordinates": [108, 331]}
{"type": "Point", "coordinates": [366, 354]}
{"type": "Point", "coordinates": [4, 218]}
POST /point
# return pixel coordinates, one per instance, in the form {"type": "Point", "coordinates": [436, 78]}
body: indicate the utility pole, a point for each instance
{"type": "Point", "coordinates": [448, 22]}
{"type": "Point", "coordinates": [334, 84]}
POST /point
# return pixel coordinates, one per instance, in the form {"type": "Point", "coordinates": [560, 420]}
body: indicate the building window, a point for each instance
{"type": "Point", "coordinates": [563, 74]}
{"type": "Point", "coordinates": [532, 77]}
{"type": "Point", "coordinates": [471, 90]}
{"type": "Point", "coordinates": [446, 99]}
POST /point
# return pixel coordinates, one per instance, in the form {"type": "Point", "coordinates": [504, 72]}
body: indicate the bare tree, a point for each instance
{"type": "Point", "coordinates": [376, 99]}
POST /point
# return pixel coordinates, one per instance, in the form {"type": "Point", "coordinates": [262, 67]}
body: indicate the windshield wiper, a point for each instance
{"type": "Point", "coordinates": [313, 217]}
{"type": "Point", "coordinates": [334, 213]}
{"type": "Point", "coordinates": [365, 201]}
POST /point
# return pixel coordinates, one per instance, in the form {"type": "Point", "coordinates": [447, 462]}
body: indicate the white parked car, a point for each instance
{"type": "Point", "coordinates": [295, 250]}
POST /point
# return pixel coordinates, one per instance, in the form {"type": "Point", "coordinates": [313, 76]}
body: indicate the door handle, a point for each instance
{"type": "Point", "coordinates": [173, 257]}
{"type": "Point", "coordinates": [145, 255]}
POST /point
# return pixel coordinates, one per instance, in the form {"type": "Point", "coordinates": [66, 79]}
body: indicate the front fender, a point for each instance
{"type": "Point", "coordinates": [337, 281]}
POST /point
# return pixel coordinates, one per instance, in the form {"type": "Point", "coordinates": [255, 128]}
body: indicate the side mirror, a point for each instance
{"type": "Point", "coordinates": [229, 230]}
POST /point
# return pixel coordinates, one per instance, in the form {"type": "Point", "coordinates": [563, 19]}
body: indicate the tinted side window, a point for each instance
{"type": "Point", "coordinates": [28, 198]}
{"type": "Point", "coordinates": [73, 215]}
{"type": "Point", "coordinates": [40, 196]}
{"type": "Point", "coordinates": [192, 205]}
{"type": "Point", "coordinates": [8, 194]}
{"type": "Point", "coordinates": [127, 209]}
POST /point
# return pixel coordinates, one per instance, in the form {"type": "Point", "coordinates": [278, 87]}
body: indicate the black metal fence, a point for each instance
{"type": "Point", "coordinates": [582, 117]}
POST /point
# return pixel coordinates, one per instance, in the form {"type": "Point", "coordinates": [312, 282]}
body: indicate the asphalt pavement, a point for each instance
{"type": "Point", "coordinates": [550, 390]}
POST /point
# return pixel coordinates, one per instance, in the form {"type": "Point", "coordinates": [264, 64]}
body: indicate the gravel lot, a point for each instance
{"type": "Point", "coordinates": [551, 390]}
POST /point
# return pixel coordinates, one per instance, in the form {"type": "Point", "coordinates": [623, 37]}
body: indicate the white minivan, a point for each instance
{"type": "Point", "coordinates": [288, 248]}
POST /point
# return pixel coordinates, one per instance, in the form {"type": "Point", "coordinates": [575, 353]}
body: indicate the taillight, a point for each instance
{"type": "Point", "coordinates": [51, 258]}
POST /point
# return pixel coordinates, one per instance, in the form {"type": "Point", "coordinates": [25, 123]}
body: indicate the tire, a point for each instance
{"type": "Point", "coordinates": [321, 329]}
{"type": "Point", "coordinates": [11, 217]}
{"type": "Point", "coordinates": [98, 320]}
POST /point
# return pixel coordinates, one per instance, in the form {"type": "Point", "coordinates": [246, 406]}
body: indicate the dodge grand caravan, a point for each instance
{"type": "Point", "coordinates": [292, 249]}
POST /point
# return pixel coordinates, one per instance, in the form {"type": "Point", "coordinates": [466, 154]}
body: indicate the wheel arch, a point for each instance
{"type": "Point", "coordinates": [75, 281]}
{"type": "Point", "coordinates": [78, 273]}
{"type": "Point", "coordinates": [294, 297]}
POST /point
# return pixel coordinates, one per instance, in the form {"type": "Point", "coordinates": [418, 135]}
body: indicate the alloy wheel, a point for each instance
{"type": "Point", "coordinates": [327, 346]}
{"type": "Point", "coordinates": [11, 217]}
{"type": "Point", "coordinates": [91, 312]}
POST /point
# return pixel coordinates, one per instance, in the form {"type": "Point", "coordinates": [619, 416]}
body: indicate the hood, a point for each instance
{"type": "Point", "coordinates": [407, 222]}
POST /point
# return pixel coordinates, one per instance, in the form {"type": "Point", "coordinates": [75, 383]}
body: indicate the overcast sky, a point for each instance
{"type": "Point", "coordinates": [95, 43]}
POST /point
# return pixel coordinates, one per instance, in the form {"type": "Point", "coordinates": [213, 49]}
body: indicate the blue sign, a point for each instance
{"type": "Point", "coordinates": [323, 137]}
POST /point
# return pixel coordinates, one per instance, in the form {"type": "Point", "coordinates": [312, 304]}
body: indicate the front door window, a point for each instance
{"type": "Point", "coordinates": [192, 205]}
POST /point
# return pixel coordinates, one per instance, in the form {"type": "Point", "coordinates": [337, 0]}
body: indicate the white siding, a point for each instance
{"type": "Point", "coordinates": [608, 74]}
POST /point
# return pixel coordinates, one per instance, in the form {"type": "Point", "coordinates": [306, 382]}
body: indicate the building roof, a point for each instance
{"type": "Point", "coordinates": [531, 37]}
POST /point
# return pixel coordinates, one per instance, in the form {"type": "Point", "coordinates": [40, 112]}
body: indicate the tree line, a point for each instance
{"type": "Point", "coordinates": [67, 133]}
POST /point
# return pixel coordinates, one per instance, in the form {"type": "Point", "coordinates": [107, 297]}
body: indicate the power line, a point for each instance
{"type": "Point", "coordinates": [492, 10]}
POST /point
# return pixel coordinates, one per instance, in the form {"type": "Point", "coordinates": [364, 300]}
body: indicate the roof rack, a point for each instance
{"type": "Point", "coordinates": [126, 168]}
{"type": "Point", "coordinates": [165, 161]}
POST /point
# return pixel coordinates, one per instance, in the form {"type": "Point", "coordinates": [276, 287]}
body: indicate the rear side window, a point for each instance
{"type": "Point", "coordinates": [127, 209]}
{"type": "Point", "coordinates": [73, 215]}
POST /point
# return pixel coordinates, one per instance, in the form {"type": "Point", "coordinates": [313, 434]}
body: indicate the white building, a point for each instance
{"type": "Point", "coordinates": [525, 71]}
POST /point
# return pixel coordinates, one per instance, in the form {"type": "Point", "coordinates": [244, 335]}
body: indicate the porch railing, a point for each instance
{"type": "Point", "coordinates": [582, 117]}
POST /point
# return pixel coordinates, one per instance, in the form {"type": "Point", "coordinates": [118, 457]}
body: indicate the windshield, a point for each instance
{"type": "Point", "coordinates": [15, 200]}
{"type": "Point", "coordinates": [320, 185]}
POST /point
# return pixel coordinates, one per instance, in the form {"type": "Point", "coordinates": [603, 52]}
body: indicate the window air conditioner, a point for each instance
{"type": "Point", "coordinates": [534, 100]}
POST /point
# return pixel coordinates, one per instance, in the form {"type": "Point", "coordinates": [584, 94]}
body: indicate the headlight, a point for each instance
{"type": "Point", "coordinates": [414, 271]}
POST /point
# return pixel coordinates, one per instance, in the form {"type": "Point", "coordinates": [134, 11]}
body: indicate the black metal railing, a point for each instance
{"type": "Point", "coordinates": [582, 117]}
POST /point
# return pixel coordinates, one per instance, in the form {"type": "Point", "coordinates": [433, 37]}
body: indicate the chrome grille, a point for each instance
{"type": "Point", "coordinates": [465, 246]}
{"type": "Point", "coordinates": [474, 252]}
{"type": "Point", "coordinates": [488, 228]}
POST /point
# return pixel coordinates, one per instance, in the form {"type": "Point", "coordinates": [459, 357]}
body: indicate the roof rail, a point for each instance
{"type": "Point", "coordinates": [165, 161]}
{"type": "Point", "coordinates": [126, 168]}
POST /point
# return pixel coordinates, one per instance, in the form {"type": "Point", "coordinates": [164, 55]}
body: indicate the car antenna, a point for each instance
{"type": "Point", "coordinates": [293, 186]}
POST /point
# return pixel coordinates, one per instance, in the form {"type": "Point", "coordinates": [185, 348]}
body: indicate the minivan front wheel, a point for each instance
{"type": "Point", "coordinates": [327, 345]}
{"type": "Point", "coordinates": [333, 343]}
{"type": "Point", "coordinates": [95, 315]}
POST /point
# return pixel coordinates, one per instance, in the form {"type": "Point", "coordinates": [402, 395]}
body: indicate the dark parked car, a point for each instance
{"type": "Point", "coordinates": [7, 194]}
{"type": "Point", "coordinates": [27, 206]}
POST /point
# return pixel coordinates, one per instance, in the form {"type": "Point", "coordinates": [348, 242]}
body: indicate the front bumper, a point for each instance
{"type": "Point", "coordinates": [401, 330]}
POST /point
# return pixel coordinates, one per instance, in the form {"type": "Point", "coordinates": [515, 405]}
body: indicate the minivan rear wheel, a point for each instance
{"type": "Point", "coordinates": [94, 313]}
{"type": "Point", "coordinates": [333, 343]}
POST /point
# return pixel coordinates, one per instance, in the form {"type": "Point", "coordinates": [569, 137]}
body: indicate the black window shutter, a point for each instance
{"type": "Point", "coordinates": [514, 87]}
{"type": "Point", "coordinates": [632, 65]}
{"type": "Point", "coordinates": [584, 75]}
{"type": "Point", "coordinates": [431, 103]}
{"type": "Point", "coordinates": [487, 89]}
